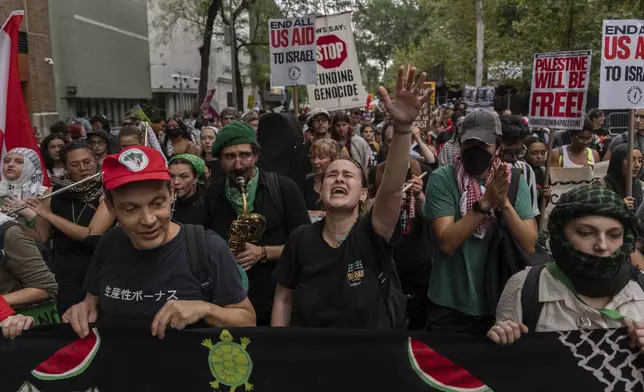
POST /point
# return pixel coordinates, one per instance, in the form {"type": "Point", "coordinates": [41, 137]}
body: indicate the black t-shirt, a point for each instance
{"type": "Point", "coordinates": [414, 247]}
{"type": "Point", "coordinates": [312, 198]}
{"type": "Point", "coordinates": [335, 287]}
{"type": "Point", "coordinates": [190, 210]}
{"type": "Point", "coordinates": [135, 284]}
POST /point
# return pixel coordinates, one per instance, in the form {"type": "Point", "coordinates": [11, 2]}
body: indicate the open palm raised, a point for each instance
{"type": "Point", "coordinates": [406, 104]}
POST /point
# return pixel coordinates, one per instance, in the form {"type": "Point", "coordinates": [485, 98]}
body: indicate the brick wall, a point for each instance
{"type": "Point", "coordinates": [41, 94]}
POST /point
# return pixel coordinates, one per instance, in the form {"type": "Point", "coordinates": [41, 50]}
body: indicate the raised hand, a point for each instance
{"type": "Point", "coordinates": [406, 104]}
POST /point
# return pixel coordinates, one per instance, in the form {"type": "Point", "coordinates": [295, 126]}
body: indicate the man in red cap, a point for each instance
{"type": "Point", "coordinates": [143, 270]}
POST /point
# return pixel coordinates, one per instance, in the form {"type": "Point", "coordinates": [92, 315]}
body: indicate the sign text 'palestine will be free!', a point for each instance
{"type": "Point", "coordinates": [559, 88]}
{"type": "Point", "coordinates": [292, 51]}
{"type": "Point", "coordinates": [339, 83]}
{"type": "Point", "coordinates": [622, 67]}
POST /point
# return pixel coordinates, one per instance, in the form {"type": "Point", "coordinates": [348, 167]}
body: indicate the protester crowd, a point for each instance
{"type": "Point", "coordinates": [343, 220]}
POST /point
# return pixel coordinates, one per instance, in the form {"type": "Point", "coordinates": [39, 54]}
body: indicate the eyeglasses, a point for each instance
{"type": "Point", "coordinates": [518, 153]}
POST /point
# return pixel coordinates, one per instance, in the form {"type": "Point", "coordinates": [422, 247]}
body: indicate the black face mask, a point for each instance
{"type": "Point", "coordinates": [173, 132]}
{"type": "Point", "coordinates": [476, 160]}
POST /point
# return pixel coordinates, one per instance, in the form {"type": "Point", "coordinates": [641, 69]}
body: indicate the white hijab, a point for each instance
{"type": "Point", "coordinates": [29, 184]}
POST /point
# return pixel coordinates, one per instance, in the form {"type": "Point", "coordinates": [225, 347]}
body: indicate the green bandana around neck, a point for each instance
{"type": "Point", "coordinates": [234, 196]}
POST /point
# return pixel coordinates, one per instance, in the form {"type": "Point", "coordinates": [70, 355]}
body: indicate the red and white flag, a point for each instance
{"type": "Point", "coordinates": [15, 127]}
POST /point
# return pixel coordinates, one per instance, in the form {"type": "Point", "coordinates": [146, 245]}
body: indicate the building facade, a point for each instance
{"type": "Point", "coordinates": [101, 56]}
{"type": "Point", "coordinates": [35, 59]}
{"type": "Point", "coordinates": [175, 69]}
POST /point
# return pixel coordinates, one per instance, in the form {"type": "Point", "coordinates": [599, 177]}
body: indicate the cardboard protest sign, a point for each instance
{"type": "Point", "coordinates": [563, 180]}
{"type": "Point", "coordinates": [622, 70]}
{"type": "Point", "coordinates": [292, 51]}
{"type": "Point", "coordinates": [559, 86]}
{"type": "Point", "coordinates": [339, 83]}
{"type": "Point", "coordinates": [422, 119]}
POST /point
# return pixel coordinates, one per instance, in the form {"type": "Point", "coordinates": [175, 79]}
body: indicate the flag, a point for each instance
{"type": "Point", "coordinates": [15, 127]}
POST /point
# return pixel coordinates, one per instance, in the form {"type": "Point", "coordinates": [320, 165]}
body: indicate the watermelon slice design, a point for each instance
{"type": "Point", "coordinates": [71, 360]}
{"type": "Point", "coordinates": [440, 372]}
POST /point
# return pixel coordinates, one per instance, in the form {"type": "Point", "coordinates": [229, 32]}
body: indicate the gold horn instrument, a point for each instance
{"type": "Point", "coordinates": [248, 227]}
{"type": "Point", "coordinates": [13, 210]}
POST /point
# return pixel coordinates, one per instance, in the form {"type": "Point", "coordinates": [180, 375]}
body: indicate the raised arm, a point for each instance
{"type": "Point", "coordinates": [402, 111]}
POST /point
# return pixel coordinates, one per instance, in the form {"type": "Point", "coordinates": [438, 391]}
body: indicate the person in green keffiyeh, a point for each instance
{"type": "Point", "coordinates": [590, 283]}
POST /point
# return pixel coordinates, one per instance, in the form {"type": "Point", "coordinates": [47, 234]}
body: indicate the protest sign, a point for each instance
{"type": "Point", "coordinates": [559, 86]}
{"type": "Point", "coordinates": [52, 359]}
{"type": "Point", "coordinates": [339, 83]}
{"type": "Point", "coordinates": [422, 119]}
{"type": "Point", "coordinates": [479, 97]}
{"type": "Point", "coordinates": [292, 51]}
{"type": "Point", "coordinates": [622, 70]}
{"type": "Point", "coordinates": [563, 180]}
{"type": "Point", "coordinates": [207, 110]}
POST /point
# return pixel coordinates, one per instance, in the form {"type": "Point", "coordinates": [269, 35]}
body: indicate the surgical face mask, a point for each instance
{"type": "Point", "coordinates": [476, 160]}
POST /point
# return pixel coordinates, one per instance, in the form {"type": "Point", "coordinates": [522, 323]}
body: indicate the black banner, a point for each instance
{"type": "Point", "coordinates": [263, 359]}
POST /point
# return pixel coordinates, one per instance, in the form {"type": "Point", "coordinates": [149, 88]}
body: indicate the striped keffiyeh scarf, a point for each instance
{"type": "Point", "coordinates": [472, 191]}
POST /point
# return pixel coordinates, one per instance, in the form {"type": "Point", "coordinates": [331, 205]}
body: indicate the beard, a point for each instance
{"type": "Point", "coordinates": [246, 172]}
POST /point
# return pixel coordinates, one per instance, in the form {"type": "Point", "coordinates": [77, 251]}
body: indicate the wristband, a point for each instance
{"type": "Point", "coordinates": [5, 309]}
{"type": "Point", "coordinates": [402, 130]}
{"type": "Point", "coordinates": [264, 257]}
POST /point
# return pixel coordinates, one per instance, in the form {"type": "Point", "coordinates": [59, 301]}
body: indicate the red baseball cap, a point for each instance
{"type": "Point", "coordinates": [135, 163]}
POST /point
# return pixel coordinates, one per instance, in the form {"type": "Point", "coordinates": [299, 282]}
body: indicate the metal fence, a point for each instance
{"type": "Point", "coordinates": [617, 122]}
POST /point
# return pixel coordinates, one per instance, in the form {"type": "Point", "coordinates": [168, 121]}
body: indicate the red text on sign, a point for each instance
{"type": "Point", "coordinates": [300, 36]}
{"type": "Point", "coordinates": [557, 104]}
{"type": "Point", "coordinates": [617, 47]}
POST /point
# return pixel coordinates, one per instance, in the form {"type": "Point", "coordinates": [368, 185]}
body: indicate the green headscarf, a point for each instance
{"type": "Point", "coordinates": [592, 275]}
{"type": "Point", "coordinates": [197, 163]}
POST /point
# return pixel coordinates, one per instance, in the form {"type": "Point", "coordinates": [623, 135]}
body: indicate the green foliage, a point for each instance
{"type": "Point", "coordinates": [514, 31]}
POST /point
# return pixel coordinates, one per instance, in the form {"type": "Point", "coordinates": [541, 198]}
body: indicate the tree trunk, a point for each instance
{"type": "Point", "coordinates": [204, 51]}
{"type": "Point", "coordinates": [480, 42]}
{"type": "Point", "coordinates": [239, 87]}
{"type": "Point", "coordinates": [571, 21]}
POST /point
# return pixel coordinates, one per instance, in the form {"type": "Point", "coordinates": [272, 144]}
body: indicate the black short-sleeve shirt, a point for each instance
{"type": "Point", "coordinates": [336, 287]}
{"type": "Point", "coordinates": [135, 284]}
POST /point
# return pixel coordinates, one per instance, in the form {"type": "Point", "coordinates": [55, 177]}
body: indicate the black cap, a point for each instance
{"type": "Point", "coordinates": [481, 125]}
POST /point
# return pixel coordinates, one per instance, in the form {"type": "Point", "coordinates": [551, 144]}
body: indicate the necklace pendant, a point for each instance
{"type": "Point", "coordinates": [584, 323]}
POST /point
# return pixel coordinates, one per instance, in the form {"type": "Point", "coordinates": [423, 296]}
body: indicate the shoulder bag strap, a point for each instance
{"type": "Point", "coordinates": [530, 304]}
{"type": "Point", "coordinates": [275, 191]}
{"type": "Point", "coordinates": [196, 239]}
{"type": "Point", "coordinates": [513, 189]}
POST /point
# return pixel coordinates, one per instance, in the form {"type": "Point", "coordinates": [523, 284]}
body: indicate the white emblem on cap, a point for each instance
{"type": "Point", "coordinates": [134, 159]}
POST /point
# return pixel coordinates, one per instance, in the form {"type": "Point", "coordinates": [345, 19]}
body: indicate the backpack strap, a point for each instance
{"type": "Point", "coordinates": [530, 298]}
{"type": "Point", "coordinates": [199, 262]}
{"type": "Point", "coordinates": [275, 191]}
{"type": "Point", "coordinates": [196, 239]}
{"type": "Point", "coordinates": [513, 189]}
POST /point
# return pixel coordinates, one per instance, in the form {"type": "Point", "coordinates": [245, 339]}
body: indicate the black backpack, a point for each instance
{"type": "Point", "coordinates": [530, 305]}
